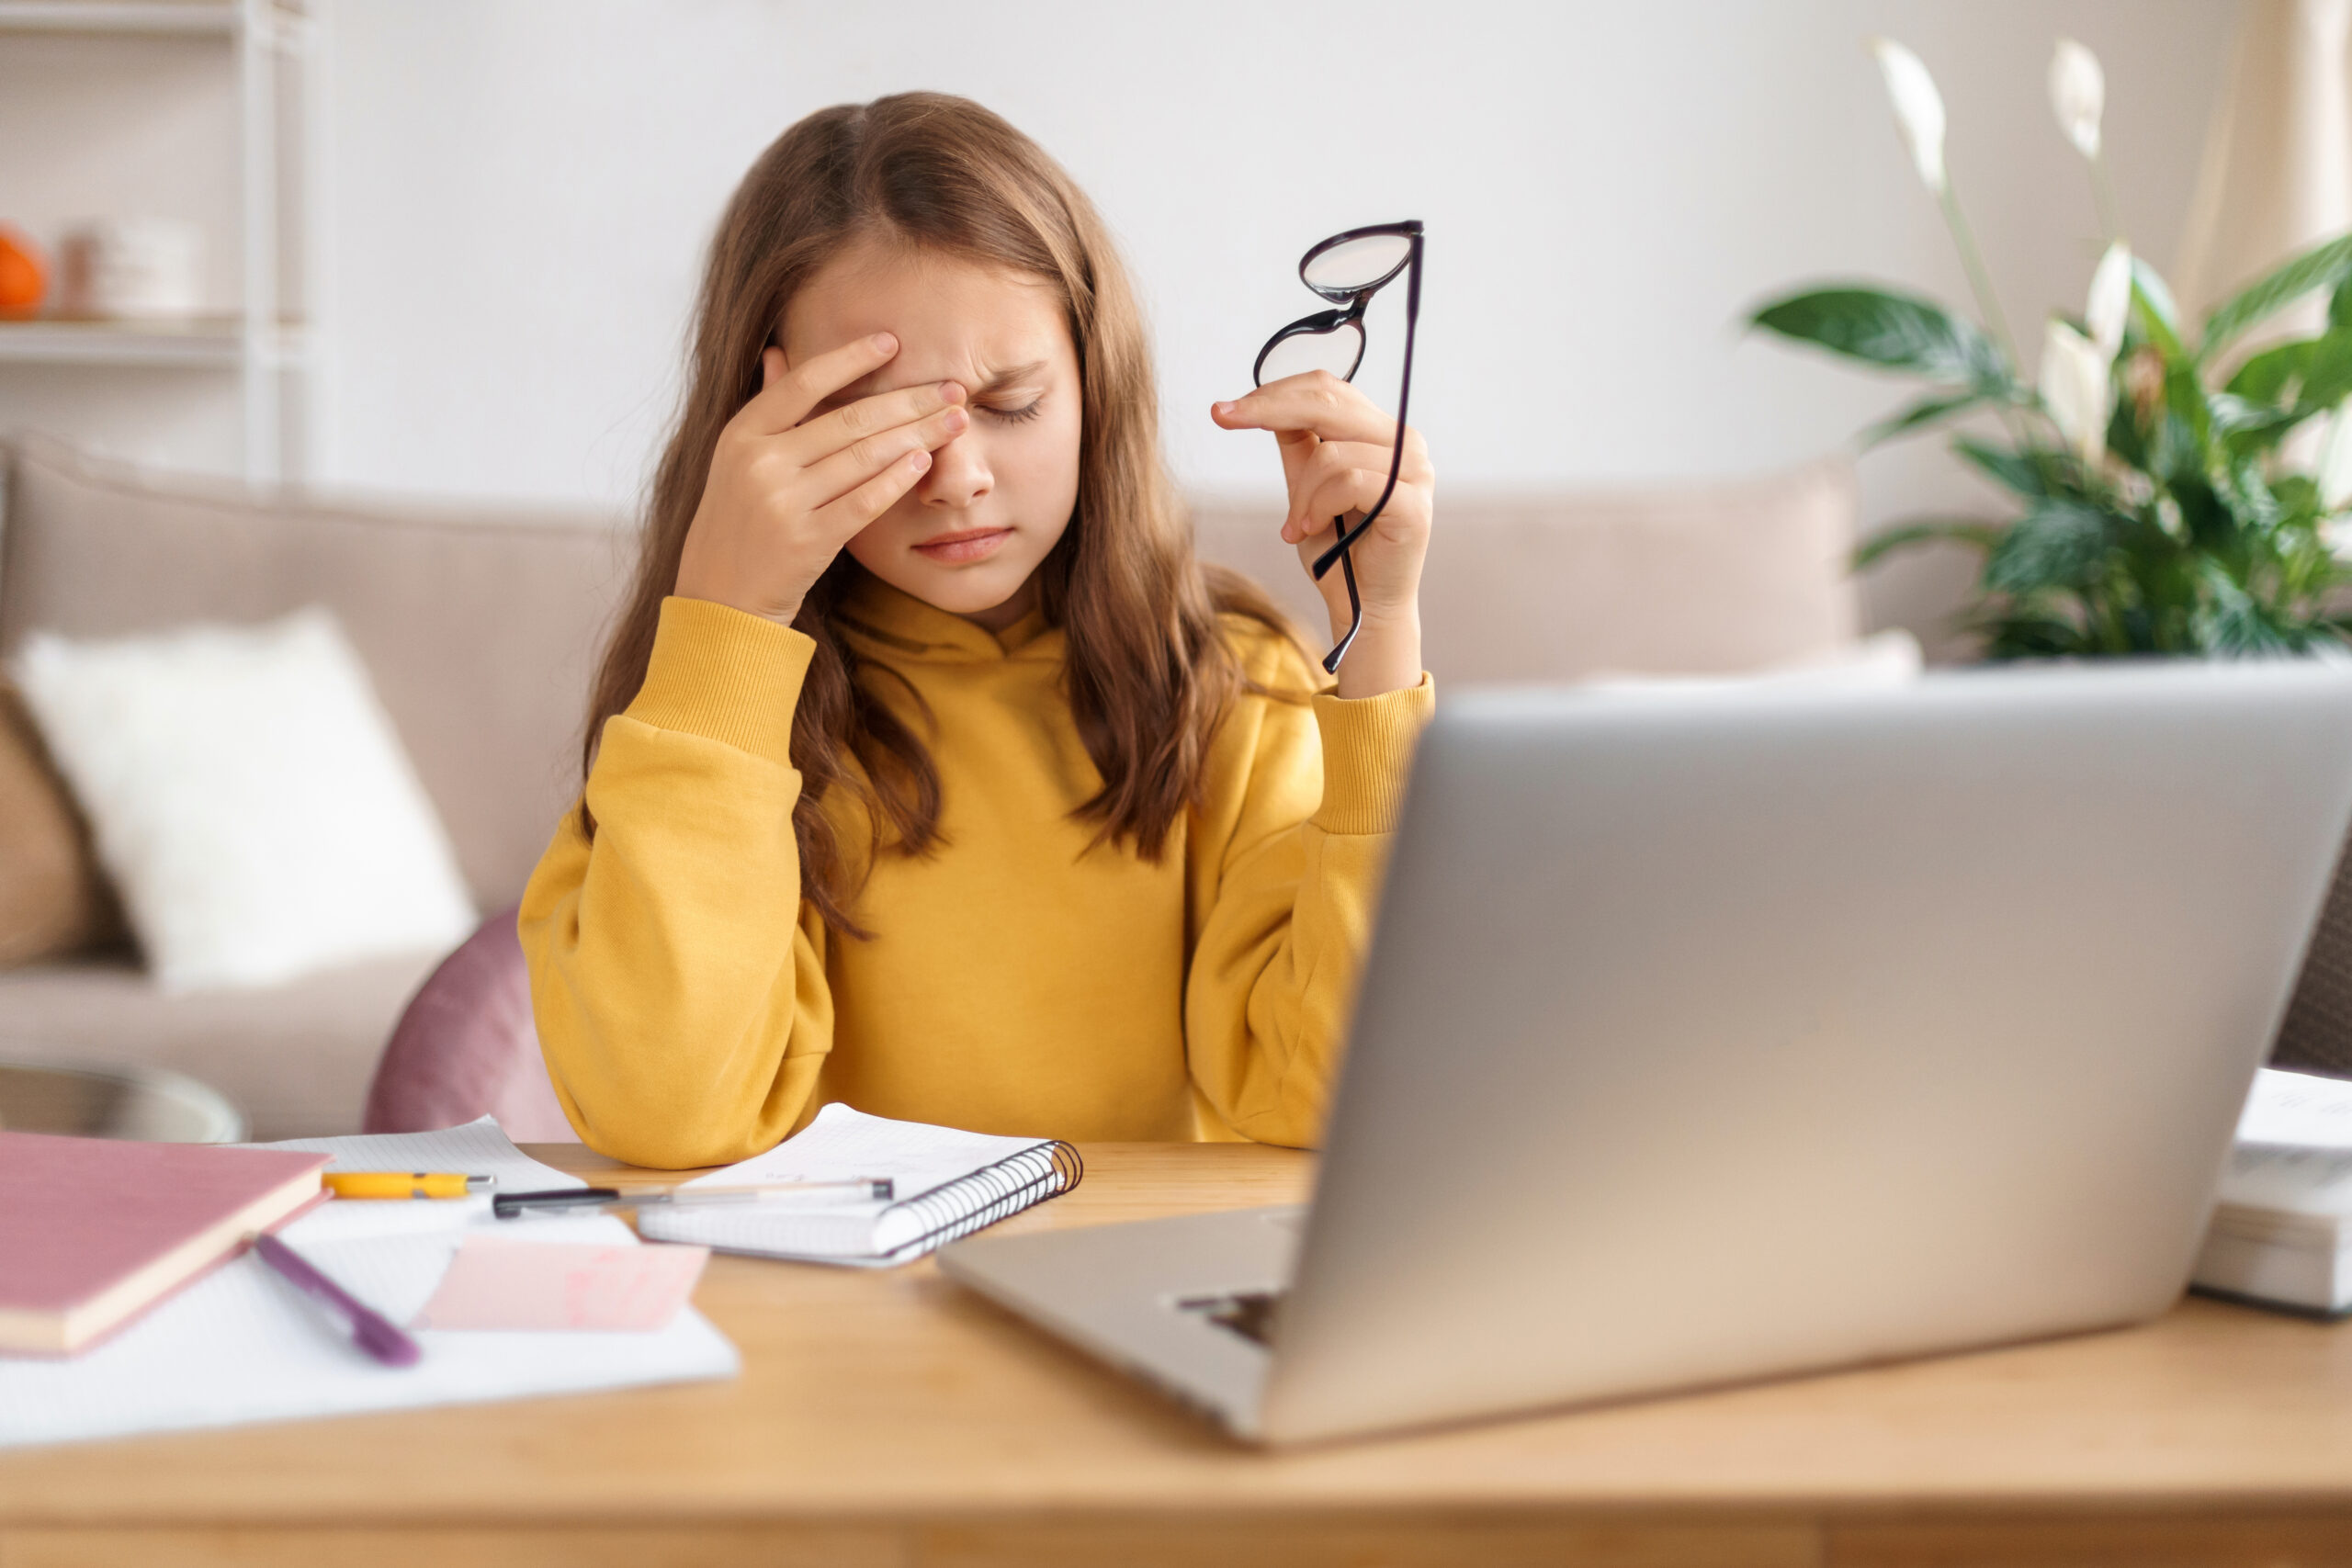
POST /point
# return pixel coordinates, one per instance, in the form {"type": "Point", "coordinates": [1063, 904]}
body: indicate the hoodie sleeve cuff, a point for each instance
{"type": "Point", "coordinates": [726, 676]}
{"type": "Point", "coordinates": [1367, 751]}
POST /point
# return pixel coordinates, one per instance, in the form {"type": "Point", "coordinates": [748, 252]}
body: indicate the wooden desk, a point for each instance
{"type": "Point", "coordinates": [891, 1418]}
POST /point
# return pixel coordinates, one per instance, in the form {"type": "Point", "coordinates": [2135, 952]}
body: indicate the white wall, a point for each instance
{"type": "Point", "coordinates": [520, 190]}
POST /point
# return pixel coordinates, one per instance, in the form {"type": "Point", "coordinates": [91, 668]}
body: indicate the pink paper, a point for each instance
{"type": "Point", "coordinates": [497, 1284]}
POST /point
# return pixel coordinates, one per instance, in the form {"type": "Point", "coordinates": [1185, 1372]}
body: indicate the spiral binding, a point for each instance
{"type": "Point", "coordinates": [1004, 1188]}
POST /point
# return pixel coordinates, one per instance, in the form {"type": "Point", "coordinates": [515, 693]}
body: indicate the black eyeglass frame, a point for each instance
{"type": "Point", "coordinates": [1351, 303]}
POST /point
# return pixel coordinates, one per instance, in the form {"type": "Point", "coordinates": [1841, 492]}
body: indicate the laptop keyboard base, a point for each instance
{"type": "Point", "coordinates": [1249, 1313]}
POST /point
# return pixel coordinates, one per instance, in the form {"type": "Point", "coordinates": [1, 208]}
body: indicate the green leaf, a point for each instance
{"type": "Point", "coordinates": [2260, 438]}
{"type": "Point", "coordinates": [2185, 399]}
{"type": "Point", "coordinates": [2233, 621]}
{"type": "Point", "coordinates": [2327, 371]}
{"type": "Point", "coordinates": [2124, 437]}
{"type": "Point", "coordinates": [1908, 535]}
{"type": "Point", "coordinates": [2325, 265]}
{"type": "Point", "coordinates": [1896, 331]}
{"type": "Point", "coordinates": [2308, 567]}
{"type": "Point", "coordinates": [1926, 411]}
{"type": "Point", "coordinates": [2269, 375]}
{"type": "Point", "coordinates": [2020, 471]}
{"type": "Point", "coordinates": [2159, 317]}
{"type": "Point", "coordinates": [2308, 374]}
{"type": "Point", "coordinates": [2248, 429]}
{"type": "Point", "coordinates": [2206, 521]}
{"type": "Point", "coordinates": [2248, 498]}
{"type": "Point", "coordinates": [2028, 636]}
{"type": "Point", "coordinates": [2184, 428]}
{"type": "Point", "coordinates": [2060, 544]}
{"type": "Point", "coordinates": [2231, 412]}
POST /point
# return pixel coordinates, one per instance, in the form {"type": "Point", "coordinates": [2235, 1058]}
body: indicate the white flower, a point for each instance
{"type": "Point", "coordinates": [1918, 108]}
{"type": "Point", "coordinates": [2110, 300]}
{"type": "Point", "coordinates": [2335, 460]}
{"type": "Point", "coordinates": [2079, 95]}
{"type": "Point", "coordinates": [2076, 391]}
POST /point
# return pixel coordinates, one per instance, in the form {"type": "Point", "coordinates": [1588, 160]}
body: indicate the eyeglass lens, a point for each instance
{"type": "Point", "coordinates": [1337, 350]}
{"type": "Point", "coordinates": [1355, 264]}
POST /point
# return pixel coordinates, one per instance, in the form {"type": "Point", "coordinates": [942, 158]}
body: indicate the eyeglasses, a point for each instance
{"type": "Point", "coordinates": [1348, 269]}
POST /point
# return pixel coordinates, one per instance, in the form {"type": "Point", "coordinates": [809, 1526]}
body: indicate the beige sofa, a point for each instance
{"type": "Point", "coordinates": [479, 627]}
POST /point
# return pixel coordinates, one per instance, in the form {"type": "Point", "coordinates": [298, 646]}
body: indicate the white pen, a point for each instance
{"type": "Point", "coordinates": [861, 1190]}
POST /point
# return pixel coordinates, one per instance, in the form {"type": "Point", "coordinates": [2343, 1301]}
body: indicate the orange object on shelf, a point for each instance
{"type": "Point", "coordinates": [24, 275]}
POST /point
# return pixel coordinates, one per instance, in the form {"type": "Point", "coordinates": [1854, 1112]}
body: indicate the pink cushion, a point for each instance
{"type": "Point", "coordinates": [467, 1047]}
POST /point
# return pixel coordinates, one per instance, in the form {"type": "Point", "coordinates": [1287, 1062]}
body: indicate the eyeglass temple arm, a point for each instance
{"type": "Point", "coordinates": [1339, 547]}
{"type": "Point", "coordinates": [1355, 618]}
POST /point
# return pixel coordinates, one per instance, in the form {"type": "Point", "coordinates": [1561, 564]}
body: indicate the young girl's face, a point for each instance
{"type": "Point", "coordinates": [968, 537]}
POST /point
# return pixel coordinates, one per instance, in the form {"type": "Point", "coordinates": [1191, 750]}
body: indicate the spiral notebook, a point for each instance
{"type": "Point", "coordinates": [948, 1183]}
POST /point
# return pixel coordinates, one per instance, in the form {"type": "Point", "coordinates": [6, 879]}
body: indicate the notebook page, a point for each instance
{"type": "Point", "coordinates": [241, 1345]}
{"type": "Point", "coordinates": [477, 1148]}
{"type": "Point", "coordinates": [840, 1145]}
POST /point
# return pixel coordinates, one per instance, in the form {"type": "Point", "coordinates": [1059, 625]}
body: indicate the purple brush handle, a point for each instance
{"type": "Point", "coordinates": [374, 1333]}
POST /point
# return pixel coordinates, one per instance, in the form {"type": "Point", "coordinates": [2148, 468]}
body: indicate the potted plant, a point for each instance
{"type": "Point", "coordinates": [2157, 513]}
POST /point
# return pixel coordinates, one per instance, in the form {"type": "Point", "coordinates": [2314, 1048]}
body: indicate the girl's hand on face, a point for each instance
{"type": "Point", "coordinates": [786, 491]}
{"type": "Point", "coordinates": [1336, 445]}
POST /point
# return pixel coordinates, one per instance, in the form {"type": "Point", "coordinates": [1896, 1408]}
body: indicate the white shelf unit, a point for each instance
{"type": "Point", "coordinates": [259, 344]}
{"type": "Point", "coordinates": [108, 16]}
{"type": "Point", "coordinates": [208, 343]}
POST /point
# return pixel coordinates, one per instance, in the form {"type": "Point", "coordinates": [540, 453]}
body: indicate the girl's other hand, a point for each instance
{"type": "Point", "coordinates": [1336, 445]}
{"type": "Point", "coordinates": [786, 491]}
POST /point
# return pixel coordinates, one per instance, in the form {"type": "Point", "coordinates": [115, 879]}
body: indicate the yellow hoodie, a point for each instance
{"type": "Point", "coordinates": [693, 1010]}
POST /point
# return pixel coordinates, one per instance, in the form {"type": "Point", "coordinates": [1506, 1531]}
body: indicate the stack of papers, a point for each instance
{"type": "Point", "coordinates": [240, 1345]}
{"type": "Point", "coordinates": [2283, 1231]}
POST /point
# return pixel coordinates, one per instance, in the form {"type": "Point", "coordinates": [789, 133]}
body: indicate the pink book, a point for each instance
{"type": "Point", "coordinates": [94, 1231]}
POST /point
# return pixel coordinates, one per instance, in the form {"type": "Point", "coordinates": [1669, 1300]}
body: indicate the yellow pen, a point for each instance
{"type": "Point", "coordinates": [404, 1183]}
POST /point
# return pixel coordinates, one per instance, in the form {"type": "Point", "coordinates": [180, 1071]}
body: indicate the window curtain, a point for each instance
{"type": "Point", "coordinates": [2277, 177]}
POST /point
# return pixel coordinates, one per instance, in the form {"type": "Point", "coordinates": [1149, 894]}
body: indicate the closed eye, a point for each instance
{"type": "Point", "coordinates": [1016, 416]}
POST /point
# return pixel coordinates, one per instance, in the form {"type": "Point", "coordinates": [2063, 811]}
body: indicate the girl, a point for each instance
{"type": "Point", "coordinates": [927, 769]}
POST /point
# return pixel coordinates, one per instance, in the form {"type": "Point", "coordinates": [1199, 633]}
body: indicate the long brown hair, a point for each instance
{"type": "Point", "coordinates": [1148, 674]}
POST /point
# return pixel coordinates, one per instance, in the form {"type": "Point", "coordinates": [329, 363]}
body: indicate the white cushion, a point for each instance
{"type": "Point", "coordinates": [249, 798]}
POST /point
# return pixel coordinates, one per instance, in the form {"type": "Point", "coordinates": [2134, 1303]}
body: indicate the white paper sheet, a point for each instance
{"type": "Point", "coordinates": [477, 1148]}
{"type": "Point", "coordinates": [2290, 1179]}
{"type": "Point", "coordinates": [2297, 1110]}
{"type": "Point", "coordinates": [241, 1345]}
{"type": "Point", "coordinates": [844, 1144]}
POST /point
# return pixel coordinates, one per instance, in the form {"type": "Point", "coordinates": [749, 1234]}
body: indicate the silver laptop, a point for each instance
{"type": "Point", "coordinates": [1713, 1037]}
